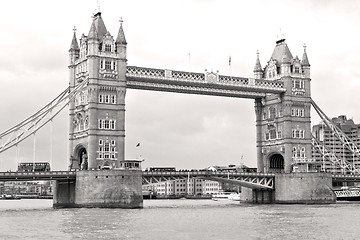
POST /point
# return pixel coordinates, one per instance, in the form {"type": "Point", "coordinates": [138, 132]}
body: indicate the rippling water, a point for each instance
{"type": "Point", "coordinates": [179, 219]}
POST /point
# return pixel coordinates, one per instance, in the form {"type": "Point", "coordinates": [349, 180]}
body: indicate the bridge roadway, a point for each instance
{"type": "Point", "coordinates": [37, 176]}
{"type": "Point", "coordinates": [249, 180]}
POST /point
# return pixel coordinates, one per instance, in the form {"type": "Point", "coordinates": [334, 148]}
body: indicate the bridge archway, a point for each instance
{"type": "Point", "coordinates": [80, 158]}
{"type": "Point", "coordinates": [276, 163]}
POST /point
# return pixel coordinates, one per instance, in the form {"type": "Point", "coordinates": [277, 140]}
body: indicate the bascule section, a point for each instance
{"type": "Point", "coordinates": [283, 126]}
{"type": "Point", "coordinates": [97, 114]}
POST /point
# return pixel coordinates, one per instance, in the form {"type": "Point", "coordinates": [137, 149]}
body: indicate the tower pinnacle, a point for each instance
{"type": "Point", "coordinates": [74, 44]}
{"type": "Point", "coordinates": [305, 60]}
{"type": "Point", "coordinates": [121, 36]}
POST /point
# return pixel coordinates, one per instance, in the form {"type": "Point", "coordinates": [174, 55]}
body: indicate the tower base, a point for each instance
{"type": "Point", "coordinates": [103, 189]}
{"type": "Point", "coordinates": [294, 188]}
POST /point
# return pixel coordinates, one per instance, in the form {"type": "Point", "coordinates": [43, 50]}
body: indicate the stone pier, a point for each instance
{"type": "Point", "coordinates": [105, 189]}
{"type": "Point", "coordinates": [296, 188]}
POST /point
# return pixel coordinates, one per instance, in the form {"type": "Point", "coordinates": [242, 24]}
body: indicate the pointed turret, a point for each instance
{"type": "Point", "coordinates": [305, 63]}
{"type": "Point", "coordinates": [99, 25]}
{"type": "Point", "coordinates": [121, 42]}
{"type": "Point", "coordinates": [93, 33]}
{"type": "Point", "coordinates": [258, 72]}
{"type": "Point", "coordinates": [305, 60]}
{"type": "Point", "coordinates": [281, 53]}
{"type": "Point", "coordinates": [74, 43]}
{"type": "Point", "coordinates": [74, 48]}
{"type": "Point", "coordinates": [121, 36]}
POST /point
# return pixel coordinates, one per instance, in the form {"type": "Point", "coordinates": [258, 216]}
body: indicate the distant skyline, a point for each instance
{"type": "Point", "coordinates": [176, 130]}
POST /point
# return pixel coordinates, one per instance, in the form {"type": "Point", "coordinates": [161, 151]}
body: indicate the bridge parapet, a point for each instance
{"type": "Point", "coordinates": [208, 83]}
{"type": "Point", "coordinates": [29, 176]}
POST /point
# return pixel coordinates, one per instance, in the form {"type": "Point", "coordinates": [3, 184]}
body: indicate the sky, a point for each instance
{"type": "Point", "coordinates": [175, 130]}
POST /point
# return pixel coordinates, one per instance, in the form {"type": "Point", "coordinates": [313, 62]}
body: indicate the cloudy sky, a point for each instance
{"type": "Point", "coordinates": [185, 131]}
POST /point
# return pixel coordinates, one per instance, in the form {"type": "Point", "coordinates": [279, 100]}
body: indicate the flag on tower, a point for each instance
{"type": "Point", "coordinates": [229, 60]}
{"type": "Point", "coordinates": [138, 145]}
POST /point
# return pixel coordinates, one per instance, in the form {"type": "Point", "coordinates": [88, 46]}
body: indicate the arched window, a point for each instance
{"type": "Point", "coordinates": [272, 112]}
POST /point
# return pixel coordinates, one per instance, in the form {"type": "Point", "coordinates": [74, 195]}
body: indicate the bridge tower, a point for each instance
{"type": "Point", "coordinates": [97, 114]}
{"type": "Point", "coordinates": [283, 127]}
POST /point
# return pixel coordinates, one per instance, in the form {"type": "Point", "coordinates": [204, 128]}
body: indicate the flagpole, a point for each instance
{"type": "Point", "coordinates": [230, 67]}
{"type": "Point", "coordinates": [189, 62]}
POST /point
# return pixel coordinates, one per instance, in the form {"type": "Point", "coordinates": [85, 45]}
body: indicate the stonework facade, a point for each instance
{"type": "Point", "coordinates": [283, 126]}
{"type": "Point", "coordinates": [97, 113]}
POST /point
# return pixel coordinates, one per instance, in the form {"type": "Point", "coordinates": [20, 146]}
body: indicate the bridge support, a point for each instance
{"type": "Point", "coordinates": [262, 196]}
{"type": "Point", "coordinates": [297, 188]}
{"type": "Point", "coordinates": [105, 189]}
{"type": "Point", "coordinates": [304, 188]}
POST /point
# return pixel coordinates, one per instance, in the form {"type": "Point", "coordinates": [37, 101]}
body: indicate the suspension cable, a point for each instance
{"type": "Point", "coordinates": [51, 142]}
{"type": "Point", "coordinates": [343, 138]}
{"type": "Point", "coordinates": [34, 150]}
{"type": "Point", "coordinates": [38, 120]}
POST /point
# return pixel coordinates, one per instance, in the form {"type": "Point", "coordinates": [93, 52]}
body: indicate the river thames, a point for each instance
{"type": "Point", "coordinates": [180, 219]}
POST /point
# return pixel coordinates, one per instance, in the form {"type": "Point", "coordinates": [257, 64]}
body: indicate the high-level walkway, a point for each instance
{"type": "Point", "coordinates": [207, 83]}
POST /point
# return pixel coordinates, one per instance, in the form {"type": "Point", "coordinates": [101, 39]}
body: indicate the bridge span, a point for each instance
{"type": "Point", "coordinates": [243, 179]}
{"type": "Point", "coordinates": [249, 180]}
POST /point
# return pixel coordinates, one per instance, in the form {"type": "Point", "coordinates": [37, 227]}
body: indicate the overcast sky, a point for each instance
{"type": "Point", "coordinates": [185, 131]}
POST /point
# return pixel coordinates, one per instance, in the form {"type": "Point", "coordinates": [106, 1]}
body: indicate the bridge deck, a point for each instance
{"type": "Point", "coordinates": [37, 176]}
{"type": "Point", "coordinates": [250, 180]}
{"type": "Point", "coordinates": [199, 83]}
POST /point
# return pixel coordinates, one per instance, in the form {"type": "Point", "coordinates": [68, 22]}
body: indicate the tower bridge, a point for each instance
{"type": "Point", "coordinates": [99, 79]}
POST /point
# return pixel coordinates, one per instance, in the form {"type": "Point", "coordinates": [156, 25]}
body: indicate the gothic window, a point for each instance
{"type": "Point", "coordinates": [106, 147]}
{"type": "Point", "coordinates": [100, 124]}
{"type": "Point", "coordinates": [101, 142]}
{"type": "Point", "coordinates": [294, 152]}
{"type": "Point", "coordinates": [298, 84]}
{"type": "Point", "coordinates": [302, 152]}
{"type": "Point", "coordinates": [108, 65]}
{"type": "Point", "coordinates": [302, 113]}
{"type": "Point", "coordinates": [272, 134]}
{"type": "Point", "coordinates": [107, 48]}
{"type": "Point", "coordinates": [101, 64]}
{"type": "Point", "coordinates": [112, 124]}
{"type": "Point", "coordinates": [297, 70]}
{"type": "Point", "coordinates": [297, 152]}
{"type": "Point", "coordinates": [297, 112]}
{"type": "Point", "coordinates": [279, 134]}
{"type": "Point", "coordinates": [107, 98]}
{"type": "Point", "coordinates": [113, 142]}
{"type": "Point", "coordinates": [267, 136]}
{"type": "Point", "coordinates": [113, 99]}
{"type": "Point", "coordinates": [272, 112]}
{"type": "Point", "coordinates": [106, 124]}
{"type": "Point", "coordinates": [101, 98]}
{"type": "Point", "coordinates": [296, 133]}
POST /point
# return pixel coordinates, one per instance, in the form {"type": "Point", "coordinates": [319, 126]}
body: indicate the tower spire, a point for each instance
{"type": "Point", "coordinates": [305, 60]}
{"type": "Point", "coordinates": [121, 36]}
{"type": "Point", "coordinates": [257, 69]}
{"type": "Point", "coordinates": [74, 43]}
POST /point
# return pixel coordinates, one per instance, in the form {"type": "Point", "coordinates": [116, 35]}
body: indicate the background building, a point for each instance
{"type": "Point", "coordinates": [326, 138]}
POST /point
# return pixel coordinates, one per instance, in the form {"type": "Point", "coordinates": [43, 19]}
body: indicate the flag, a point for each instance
{"type": "Point", "coordinates": [138, 145]}
{"type": "Point", "coordinates": [229, 60]}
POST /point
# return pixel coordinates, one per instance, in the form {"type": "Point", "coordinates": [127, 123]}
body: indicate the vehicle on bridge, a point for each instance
{"type": "Point", "coordinates": [160, 169]}
{"type": "Point", "coordinates": [34, 167]}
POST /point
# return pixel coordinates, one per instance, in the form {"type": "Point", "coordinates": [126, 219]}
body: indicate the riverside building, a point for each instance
{"type": "Point", "coordinates": [327, 139]}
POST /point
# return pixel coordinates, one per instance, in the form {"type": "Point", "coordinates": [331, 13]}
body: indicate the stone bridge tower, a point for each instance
{"type": "Point", "coordinates": [283, 126]}
{"type": "Point", "coordinates": [97, 114]}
